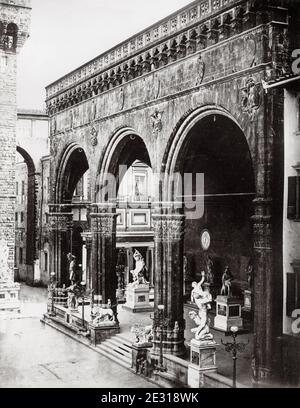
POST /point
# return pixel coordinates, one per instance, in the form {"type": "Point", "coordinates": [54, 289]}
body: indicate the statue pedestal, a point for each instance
{"type": "Point", "coordinates": [10, 297]}
{"type": "Point", "coordinates": [103, 331]}
{"type": "Point", "coordinates": [140, 357]}
{"type": "Point", "coordinates": [137, 299]}
{"type": "Point", "coordinates": [228, 313]}
{"type": "Point", "coordinates": [247, 300]}
{"type": "Point", "coordinates": [203, 359]}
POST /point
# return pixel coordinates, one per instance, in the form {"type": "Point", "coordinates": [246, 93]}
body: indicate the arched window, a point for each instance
{"type": "Point", "coordinates": [11, 36]}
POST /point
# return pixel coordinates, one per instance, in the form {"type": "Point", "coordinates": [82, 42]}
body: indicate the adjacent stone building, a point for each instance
{"type": "Point", "coordinates": [32, 192]}
{"type": "Point", "coordinates": [186, 96]}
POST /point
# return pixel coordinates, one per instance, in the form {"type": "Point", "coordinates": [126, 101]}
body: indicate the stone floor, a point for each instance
{"type": "Point", "coordinates": [34, 355]}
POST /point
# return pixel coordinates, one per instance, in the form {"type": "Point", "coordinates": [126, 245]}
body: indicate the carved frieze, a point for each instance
{"type": "Point", "coordinates": [60, 222]}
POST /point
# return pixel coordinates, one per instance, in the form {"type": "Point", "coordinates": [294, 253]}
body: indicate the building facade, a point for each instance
{"type": "Point", "coordinates": [185, 97]}
{"type": "Point", "coordinates": [32, 191]}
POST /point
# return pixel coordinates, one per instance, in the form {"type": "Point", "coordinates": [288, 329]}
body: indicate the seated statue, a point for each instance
{"type": "Point", "coordinates": [138, 272]}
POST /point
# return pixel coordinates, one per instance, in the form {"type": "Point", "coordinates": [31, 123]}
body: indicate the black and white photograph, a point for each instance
{"type": "Point", "coordinates": [149, 196]}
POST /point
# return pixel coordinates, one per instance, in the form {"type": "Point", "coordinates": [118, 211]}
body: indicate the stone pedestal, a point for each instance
{"type": "Point", "coordinates": [247, 301]}
{"type": "Point", "coordinates": [228, 313]}
{"type": "Point", "coordinates": [137, 299]}
{"type": "Point", "coordinates": [202, 359]}
{"type": "Point", "coordinates": [103, 331]}
{"type": "Point", "coordinates": [10, 297]}
{"type": "Point", "coordinates": [140, 357]}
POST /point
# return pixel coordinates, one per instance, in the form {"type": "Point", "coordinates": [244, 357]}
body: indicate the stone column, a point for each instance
{"type": "Point", "coordinates": [104, 278]}
{"type": "Point", "coordinates": [267, 236]}
{"type": "Point", "coordinates": [168, 270]}
{"type": "Point", "coordinates": [60, 224]}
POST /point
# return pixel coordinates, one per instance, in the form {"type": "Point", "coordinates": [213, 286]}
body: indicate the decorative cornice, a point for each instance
{"type": "Point", "coordinates": [176, 23]}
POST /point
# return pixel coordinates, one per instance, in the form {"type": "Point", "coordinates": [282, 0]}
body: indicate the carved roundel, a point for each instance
{"type": "Point", "coordinates": [205, 240]}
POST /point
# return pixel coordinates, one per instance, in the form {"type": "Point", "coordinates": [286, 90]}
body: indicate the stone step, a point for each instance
{"type": "Point", "coordinates": [115, 343]}
{"type": "Point", "coordinates": [114, 355]}
{"type": "Point", "coordinates": [124, 339]}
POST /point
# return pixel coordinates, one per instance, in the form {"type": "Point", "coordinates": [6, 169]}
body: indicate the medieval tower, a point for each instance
{"type": "Point", "coordinates": [14, 30]}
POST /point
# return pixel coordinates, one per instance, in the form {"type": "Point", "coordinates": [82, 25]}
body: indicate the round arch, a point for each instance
{"type": "Point", "coordinates": [118, 153]}
{"type": "Point", "coordinates": [179, 140]}
{"type": "Point", "coordinates": [72, 165]}
{"type": "Point", "coordinates": [31, 250]}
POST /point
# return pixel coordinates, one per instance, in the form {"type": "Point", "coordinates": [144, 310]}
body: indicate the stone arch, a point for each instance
{"type": "Point", "coordinates": [117, 153]}
{"type": "Point", "coordinates": [73, 159]}
{"type": "Point", "coordinates": [31, 249]}
{"type": "Point", "coordinates": [179, 139]}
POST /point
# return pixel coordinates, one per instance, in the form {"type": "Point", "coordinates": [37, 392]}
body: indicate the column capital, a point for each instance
{"type": "Point", "coordinates": [168, 227]}
{"type": "Point", "coordinates": [60, 221]}
{"type": "Point", "coordinates": [103, 223]}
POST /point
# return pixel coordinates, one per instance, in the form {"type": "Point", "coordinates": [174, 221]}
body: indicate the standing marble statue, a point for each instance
{"type": "Point", "coordinates": [226, 282]}
{"type": "Point", "coordinates": [202, 298]}
{"type": "Point", "coordinates": [72, 274]}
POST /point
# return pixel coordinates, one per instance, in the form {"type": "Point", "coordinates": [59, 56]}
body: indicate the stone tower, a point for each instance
{"type": "Point", "coordinates": [14, 30]}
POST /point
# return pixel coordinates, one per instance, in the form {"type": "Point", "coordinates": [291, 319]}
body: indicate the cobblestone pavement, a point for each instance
{"type": "Point", "coordinates": [36, 356]}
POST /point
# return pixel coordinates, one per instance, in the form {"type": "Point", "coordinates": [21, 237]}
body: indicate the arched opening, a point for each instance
{"type": "Point", "coordinates": [217, 149]}
{"type": "Point", "coordinates": [72, 196]}
{"type": "Point", "coordinates": [215, 190]}
{"type": "Point", "coordinates": [127, 162]}
{"type": "Point", "coordinates": [25, 217]}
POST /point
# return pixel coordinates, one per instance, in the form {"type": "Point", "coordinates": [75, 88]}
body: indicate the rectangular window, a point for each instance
{"type": "Point", "coordinates": [20, 256]}
{"type": "Point", "coordinates": [22, 216]}
{"type": "Point", "coordinates": [293, 211]}
{"type": "Point", "coordinates": [16, 217]}
{"type": "Point", "coordinates": [17, 188]}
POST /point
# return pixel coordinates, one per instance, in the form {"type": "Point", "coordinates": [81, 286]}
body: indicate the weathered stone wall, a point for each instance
{"type": "Point", "coordinates": [10, 12]}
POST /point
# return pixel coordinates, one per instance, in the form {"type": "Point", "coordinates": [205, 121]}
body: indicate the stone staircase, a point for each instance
{"type": "Point", "coordinates": [118, 349]}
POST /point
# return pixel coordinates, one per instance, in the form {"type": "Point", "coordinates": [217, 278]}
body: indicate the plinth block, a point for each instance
{"type": "Point", "coordinates": [228, 313]}
{"type": "Point", "coordinates": [137, 299]}
{"type": "Point", "coordinates": [202, 359]}
{"type": "Point", "coordinates": [10, 297]}
{"type": "Point", "coordinates": [103, 332]}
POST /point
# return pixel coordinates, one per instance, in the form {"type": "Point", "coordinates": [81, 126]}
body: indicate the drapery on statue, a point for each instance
{"type": "Point", "coordinates": [72, 262]}
{"type": "Point", "coordinates": [138, 272]}
{"type": "Point", "coordinates": [226, 282]}
{"type": "Point", "coordinates": [202, 298]}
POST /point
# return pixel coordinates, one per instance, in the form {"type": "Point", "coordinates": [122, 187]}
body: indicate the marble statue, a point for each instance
{"type": "Point", "coordinates": [249, 272]}
{"type": "Point", "coordinates": [72, 262]}
{"type": "Point", "coordinates": [5, 274]}
{"type": "Point", "coordinates": [143, 334]}
{"type": "Point", "coordinates": [202, 299]}
{"type": "Point", "coordinates": [73, 294]}
{"type": "Point", "coordinates": [104, 316]}
{"type": "Point", "coordinates": [210, 271]}
{"type": "Point", "coordinates": [138, 272]}
{"type": "Point", "coordinates": [226, 282]}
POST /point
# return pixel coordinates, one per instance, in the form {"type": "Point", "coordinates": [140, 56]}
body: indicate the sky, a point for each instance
{"type": "Point", "coordinates": [65, 34]}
